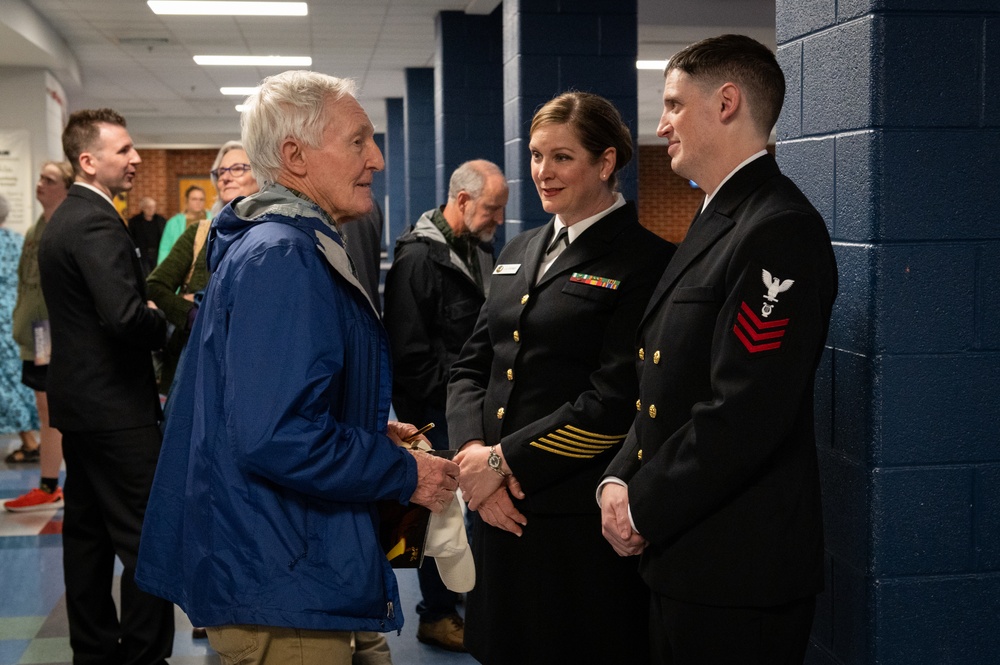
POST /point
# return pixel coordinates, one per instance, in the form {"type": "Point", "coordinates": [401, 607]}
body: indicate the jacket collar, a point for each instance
{"type": "Point", "coordinates": [426, 228]}
{"type": "Point", "coordinates": [91, 194]}
{"type": "Point", "coordinates": [277, 203]}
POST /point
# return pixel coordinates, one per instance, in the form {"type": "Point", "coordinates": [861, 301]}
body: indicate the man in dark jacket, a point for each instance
{"type": "Point", "coordinates": [433, 293]}
{"type": "Point", "coordinates": [102, 396]}
{"type": "Point", "coordinates": [717, 483]}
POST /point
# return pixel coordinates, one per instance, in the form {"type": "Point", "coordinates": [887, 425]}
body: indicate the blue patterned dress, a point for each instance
{"type": "Point", "coordinates": [17, 402]}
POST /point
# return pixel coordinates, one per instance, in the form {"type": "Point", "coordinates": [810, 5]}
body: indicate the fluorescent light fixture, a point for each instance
{"type": "Point", "coordinates": [238, 92]}
{"type": "Point", "coordinates": [240, 108]}
{"type": "Point", "coordinates": [254, 60]}
{"type": "Point", "coordinates": [191, 8]}
{"type": "Point", "coordinates": [659, 65]}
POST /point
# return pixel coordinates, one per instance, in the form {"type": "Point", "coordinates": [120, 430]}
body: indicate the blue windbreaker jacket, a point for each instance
{"type": "Point", "coordinates": [261, 511]}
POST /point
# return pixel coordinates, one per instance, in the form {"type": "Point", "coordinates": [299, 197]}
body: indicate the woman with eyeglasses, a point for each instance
{"type": "Point", "coordinates": [184, 272]}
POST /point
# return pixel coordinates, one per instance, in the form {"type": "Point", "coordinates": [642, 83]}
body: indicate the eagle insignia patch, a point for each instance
{"type": "Point", "coordinates": [774, 287]}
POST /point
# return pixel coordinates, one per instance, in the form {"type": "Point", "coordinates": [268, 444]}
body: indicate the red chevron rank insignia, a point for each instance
{"type": "Point", "coordinates": [757, 335]}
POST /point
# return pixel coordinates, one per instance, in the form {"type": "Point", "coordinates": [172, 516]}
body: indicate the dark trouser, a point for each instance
{"type": "Point", "coordinates": [691, 634]}
{"type": "Point", "coordinates": [108, 477]}
{"type": "Point", "coordinates": [437, 601]}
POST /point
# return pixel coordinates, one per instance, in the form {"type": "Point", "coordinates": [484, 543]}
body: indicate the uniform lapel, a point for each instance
{"type": "Point", "coordinates": [533, 256]}
{"type": "Point", "coordinates": [593, 243]}
{"type": "Point", "coordinates": [717, 220]}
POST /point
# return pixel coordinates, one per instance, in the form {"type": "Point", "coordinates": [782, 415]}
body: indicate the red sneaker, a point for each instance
{"type": "Point", "coordinates": [36, 499]}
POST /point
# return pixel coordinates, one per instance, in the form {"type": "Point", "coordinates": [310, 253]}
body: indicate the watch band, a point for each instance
{"type": "Point", "coordinates": [494, 462]}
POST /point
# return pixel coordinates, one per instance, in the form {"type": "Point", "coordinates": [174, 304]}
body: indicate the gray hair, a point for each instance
{"type": "Point", "coordinates": [470, 177]}
{"type": "Point", "coordinates": [226, 147]}
{"type": "Point", "coordinates": [287, 105]}
{"type": "Point", "coordinates": [4, 209]}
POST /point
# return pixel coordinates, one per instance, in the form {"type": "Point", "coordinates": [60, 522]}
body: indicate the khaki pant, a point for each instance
{"type": "Point", "coordinates": [272, 645]}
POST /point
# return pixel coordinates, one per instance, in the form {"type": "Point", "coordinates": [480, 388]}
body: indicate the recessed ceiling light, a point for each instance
{"type": "Point", "coordinates": [192, 8]}
{"type": "Point", "coordinates": [241, 107]}
{"type": "Point", "coordinates": [255, 60]}
{"type": "Point", "coordinates": [240, 92]}
{"type": "Point", "coordinates": [651, 64]}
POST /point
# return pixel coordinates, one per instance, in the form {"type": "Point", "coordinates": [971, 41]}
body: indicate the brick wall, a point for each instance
{"type": "Point", "coordinates": [159, 173]}
{"type": "Point", "coordinates": [667, 202]}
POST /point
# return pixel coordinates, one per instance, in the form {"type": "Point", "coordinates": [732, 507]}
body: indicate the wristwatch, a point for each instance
{"type": "Point", "coordinates": [495, 462]}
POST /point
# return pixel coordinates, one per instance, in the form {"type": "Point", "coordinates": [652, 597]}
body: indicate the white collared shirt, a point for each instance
{"type": "Point", "coordinates": [573, 232]}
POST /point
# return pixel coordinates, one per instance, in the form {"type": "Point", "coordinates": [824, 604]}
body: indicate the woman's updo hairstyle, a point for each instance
{"type": "Point", "coordinates": [597, 124]}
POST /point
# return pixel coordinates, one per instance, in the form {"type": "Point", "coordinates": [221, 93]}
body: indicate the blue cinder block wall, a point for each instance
{"type": "Point", "coordinates": [468, 89]}
{"type": "Point", "coordinates": [550, 47]}
{"type": "Point", "coordinates": [418, 113]}
{"type": "Point", "coordinates": [891, 126]}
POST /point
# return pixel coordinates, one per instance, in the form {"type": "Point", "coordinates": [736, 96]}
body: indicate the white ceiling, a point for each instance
{"type": "Point", "coordinates": [118, 53]}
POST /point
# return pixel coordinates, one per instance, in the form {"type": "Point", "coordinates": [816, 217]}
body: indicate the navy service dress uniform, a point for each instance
{"type": "Point", "coordinates": [721, 461]}
{"type": "Point", "coordinates": [549, 375]}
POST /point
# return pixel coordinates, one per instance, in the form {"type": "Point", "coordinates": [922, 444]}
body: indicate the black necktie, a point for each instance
{"type": "Point", "coordinates": [561, 237]}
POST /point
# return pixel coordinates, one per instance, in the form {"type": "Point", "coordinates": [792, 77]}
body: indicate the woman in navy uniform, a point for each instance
{"type": "Point", "coordinates": [542, 397]}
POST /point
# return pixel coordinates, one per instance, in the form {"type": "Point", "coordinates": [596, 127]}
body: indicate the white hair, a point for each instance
{"type": "Point", "coordinates": [287, 105]}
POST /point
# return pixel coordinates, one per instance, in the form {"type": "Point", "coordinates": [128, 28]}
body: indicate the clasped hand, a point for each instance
{"type": "Point", "coordinates": [615, 523]}
{"type": "Point", "coordinates": [487, 491]}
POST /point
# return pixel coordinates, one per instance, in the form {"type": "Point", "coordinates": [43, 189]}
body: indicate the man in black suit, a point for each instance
{"type": "Point", "coordinates": [102, 396]}
{"type": "Point", "coordinates": [717, 483]}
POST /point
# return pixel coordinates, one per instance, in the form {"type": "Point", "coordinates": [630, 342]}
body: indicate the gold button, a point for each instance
{"type": "Point", "coordinates": [638, 405]}
{"type": "Point", "coordinates": [517, 336]}
{"type": "Point", "coordinates": [656, 357]}
{"type": "Point", "coordinates": [524, 298]}
{"type": "Point", "coordinates": [500, 413]}
{"type": "Point", "coordinates": [652, 410]}
{"type": "Point", "coordinates": [642, 353]}
{"type": "Point", "coordinates": [640, 454]}
{"type": "Point", "coordinates": [510, 375]}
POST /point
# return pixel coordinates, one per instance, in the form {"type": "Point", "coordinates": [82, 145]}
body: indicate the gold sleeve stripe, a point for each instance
{"type": "Point", "coordinates": [565, 436]}
{"type": "Point", "coordinates": [592, 435]}
{"type": "Point", "coordinates": [579, 444]}
{"type": "Point", "coordinates": [576, 449]}
{"type": "Point", "coordinates": [559, 452]}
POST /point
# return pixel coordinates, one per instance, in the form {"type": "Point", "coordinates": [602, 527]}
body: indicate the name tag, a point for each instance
{"type": "Point", "coordinates": [507, 268]}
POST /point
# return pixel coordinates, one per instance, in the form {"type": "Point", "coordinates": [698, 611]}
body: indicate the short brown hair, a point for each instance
{"type": "Point", "coordinates": [741, 60]}
{"type": "Point", "coordinates": [81, 132]}
{"type": "Point", "coordinates": [192, 188]}
{"type": "Point", "coordinates": [597, 124]}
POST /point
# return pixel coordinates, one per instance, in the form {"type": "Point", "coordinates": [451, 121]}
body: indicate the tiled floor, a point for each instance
{"type": "Point", "coordinates": [32, 610]}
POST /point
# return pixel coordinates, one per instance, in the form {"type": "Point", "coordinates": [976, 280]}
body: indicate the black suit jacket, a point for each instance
{"type": "Point", "coordinates": [721, 460]}
{"type": "Point", "coordinates": [101, 373]}
{"type": "Point", "coordinates": [549, 372]}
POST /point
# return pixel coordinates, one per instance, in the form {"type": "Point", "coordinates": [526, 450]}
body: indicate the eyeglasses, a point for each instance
{"type": "Point", "coordinates": [236, 170]}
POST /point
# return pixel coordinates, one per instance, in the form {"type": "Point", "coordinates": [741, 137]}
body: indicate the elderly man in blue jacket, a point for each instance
{"type": "Point", "coordinates": [261, 524]}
